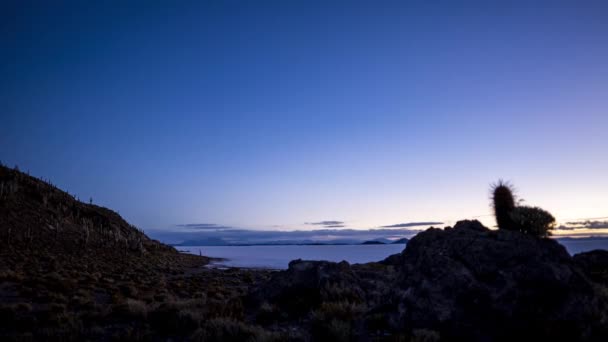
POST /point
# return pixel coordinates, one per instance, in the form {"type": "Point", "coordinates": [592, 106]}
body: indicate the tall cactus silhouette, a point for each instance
{"type": "Point", "coordinates": [504, 204]}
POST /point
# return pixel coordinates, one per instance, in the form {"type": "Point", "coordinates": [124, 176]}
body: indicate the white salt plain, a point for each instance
{"type": "Point", "coordinates": [278, 257]}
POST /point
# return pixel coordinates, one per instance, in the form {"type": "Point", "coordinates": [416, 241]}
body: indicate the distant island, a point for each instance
{"type": "Point", "coordinates": [400, 241]}
{"type": "Point", "coordinates": [373, 242]}
{"type": "Point", "coordinates": [219, 242]}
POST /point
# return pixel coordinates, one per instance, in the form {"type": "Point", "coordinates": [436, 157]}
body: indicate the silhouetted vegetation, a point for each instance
{"type": "Point", "coordinates": [504, 203]}
{"type": "Point", "coordinates": [75, 271]}
{"type": "Point", "coordinates": [533, 220]}
{"type": "Point", "coordinates": [528, 220]}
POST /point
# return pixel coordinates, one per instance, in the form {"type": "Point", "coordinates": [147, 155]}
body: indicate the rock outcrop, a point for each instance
{"type": "Point", "coordinates": [305, 285]}
{"type": "Point", "coordinates": [594, 264]}
{"type": "Point", "coordinates": [66, 265]}
{"type": "Point", "coordinates": [462, 283]}
{"type": "Point", "coordinates": [476, 283]}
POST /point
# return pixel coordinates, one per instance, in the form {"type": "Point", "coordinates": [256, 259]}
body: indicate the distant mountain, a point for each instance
{"type": "Point", "coordinates": [400, 241]}
{"type": "Point", "coordinates": [373, 242]}
{"type": "Point", "coordinates": [213, 241]}
{"type": "Point", "coordinates": [220, 242]}
{"type": "Point", "coordinates": [592, 237]}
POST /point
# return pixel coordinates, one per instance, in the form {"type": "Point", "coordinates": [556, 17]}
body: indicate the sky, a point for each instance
{"type": "Point", "coordinates": [274, 114]}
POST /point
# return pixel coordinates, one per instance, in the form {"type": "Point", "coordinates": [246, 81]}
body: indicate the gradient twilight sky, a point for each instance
{"type": "Point", "coordinates": [270, 114]}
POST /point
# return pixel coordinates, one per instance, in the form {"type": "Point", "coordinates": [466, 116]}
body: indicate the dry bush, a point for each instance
{"type": "Point", "coordinates": [333, 321]}
{"type": "Point", "coordinates": [227, 330]}
{"type": "Point", "coordinates": [425, 335]}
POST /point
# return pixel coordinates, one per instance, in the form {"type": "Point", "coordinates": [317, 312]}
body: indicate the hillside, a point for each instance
{"type": "Point", "coordinates": [76, 271]}
{"type": "Point", "coordinates": [38, 219]}
{"type": "Point", "coordinates": [71, 271]}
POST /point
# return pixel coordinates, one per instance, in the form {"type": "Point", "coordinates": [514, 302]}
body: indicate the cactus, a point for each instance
{"type": "Point", "coordinates": [509, 216]}
{"type": "Point", "coordinates": [504, 204]}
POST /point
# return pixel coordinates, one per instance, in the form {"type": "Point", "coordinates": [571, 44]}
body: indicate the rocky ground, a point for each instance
{"type": "Point", "coordinates": [75, 271]}
{"type": "Point", "coordinates": [462, 283]}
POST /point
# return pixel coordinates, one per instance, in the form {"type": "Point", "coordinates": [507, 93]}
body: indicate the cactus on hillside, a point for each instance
{"type": "Point", "coordinates": [504, 204]}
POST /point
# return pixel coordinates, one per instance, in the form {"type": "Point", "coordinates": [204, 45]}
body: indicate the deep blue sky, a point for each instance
{"type": "Point", "coordinates": [272, 114]}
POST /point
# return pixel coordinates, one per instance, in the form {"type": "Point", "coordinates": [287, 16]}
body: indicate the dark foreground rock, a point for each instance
{"type": "Point", "coordinates": [461, 283]}
{"type": "Point", "coordinates": [307, 284]}
{"type": "Point", "coordinates": [594, 264]}
{"type": "Point", "coordinates": [475, 283]}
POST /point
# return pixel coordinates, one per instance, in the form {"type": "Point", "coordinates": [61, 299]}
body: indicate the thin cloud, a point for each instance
{"type": "Point", "coordinates": [584, 225]}
{"type": "Point", "coordinates": [326, 223]}
{"type": "Point", "coordinates": [203, 226]}
{"type": "Point", "coordinates": [412, 224]}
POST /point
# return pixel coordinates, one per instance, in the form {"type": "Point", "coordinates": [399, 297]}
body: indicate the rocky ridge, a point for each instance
{"type": "Point", "coordinates": [462, 283]}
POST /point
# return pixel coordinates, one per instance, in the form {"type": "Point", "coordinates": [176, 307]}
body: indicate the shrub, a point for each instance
{"type": "Point", "coordinates": [533, 220]}
{"type": "Point", "coordinates": [137, 308]}
{"type": "Point", "coordinates": [529, 220]}
{"type": "Point", "coordinates": [177, 316]}
{"type": "Point", "coordinates": [333, 321]}
{"type": "Point", "coordinates": [267, 314]}
{"type": "Point", "coordinates": [333, 330]}
{"type": "Point", "coordinates": [425, 335]}
{"type": "Point", "coordinates": [222, 329]}
{"type": "Point", "coordinates": [504, 204]}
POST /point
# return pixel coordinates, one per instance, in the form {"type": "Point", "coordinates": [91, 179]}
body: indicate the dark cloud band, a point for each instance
{"type": "Point", "coordinates": [584, 225]}
{"type": "Point", "coordinates": [326, 223]}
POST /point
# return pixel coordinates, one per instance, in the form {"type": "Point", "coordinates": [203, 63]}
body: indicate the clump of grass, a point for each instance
{"type": "Point", "coordinates": [57, 282]}
{"type": "Point", "coordinates": [339, 291]}
{"type": "Point", "coordinates": [425, 335]}
{"type": "Point", "coordinates": [178, 315]}
{"type": "Point", "coordinates": [137, 308]}
{"type": "Point", "coordinates": [128, 290]}
{"type": "Point", "coordinates": [334, 321]}
{"type": "Point", "coordinates": [9, 275]}
{"type": "Point", "coordinates": [222, 329]}
{"type": "Point", "coordinates": [267, 314]}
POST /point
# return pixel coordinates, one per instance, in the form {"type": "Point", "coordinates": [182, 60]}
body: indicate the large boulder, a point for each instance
{"type": "Point", "coordinates": [470, 282]}
{"type": "Point", "coordinates": [594, 264]}
{"type": "Point", "coordinates": [305, 285]}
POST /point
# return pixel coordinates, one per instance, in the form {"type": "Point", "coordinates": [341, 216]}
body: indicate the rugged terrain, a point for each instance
{"type": "Point", "coordinates": [76, 271]}
{"type": "Point", "coordinates": [462, 283]}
